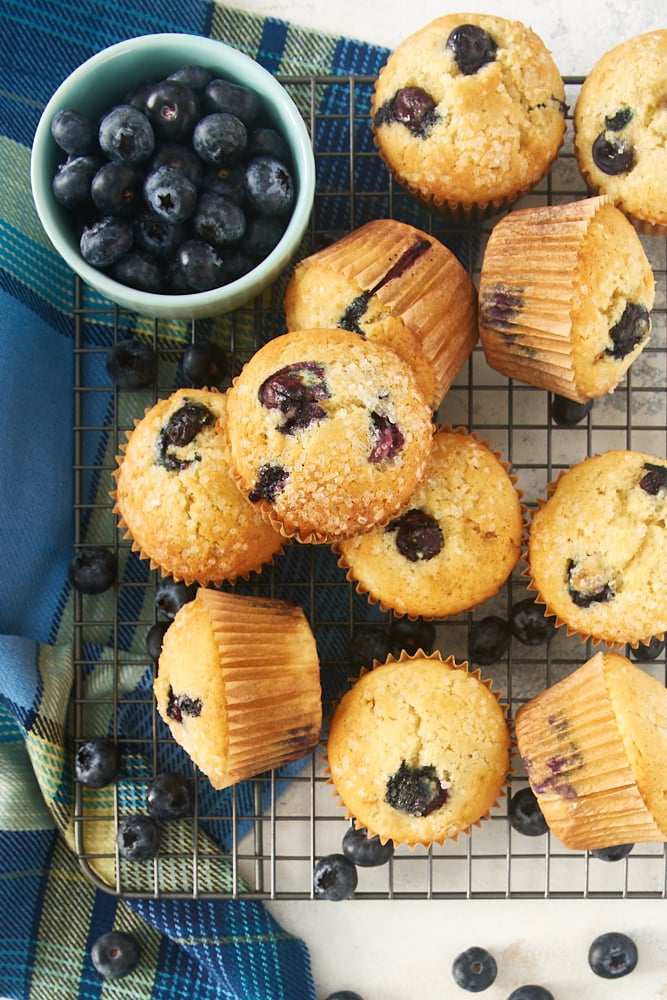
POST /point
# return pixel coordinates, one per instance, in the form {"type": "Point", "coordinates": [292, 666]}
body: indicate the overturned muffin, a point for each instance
{"type": "Point", "coordinates": [597, 548]}
{"type": "Point", "coordinates": [469, 113]}
{"type": "Point", "coordinates": [392, 283]}
{"type": "Point", "coordinates": [238, 684]}
{"type": "Point", "coordinates": [328, 433]}
{"type": "Point", "coordinates": [565, 297]}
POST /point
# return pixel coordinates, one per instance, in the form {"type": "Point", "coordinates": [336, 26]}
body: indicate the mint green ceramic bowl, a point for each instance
{"type": "Point", "coordinates": [101, 81]}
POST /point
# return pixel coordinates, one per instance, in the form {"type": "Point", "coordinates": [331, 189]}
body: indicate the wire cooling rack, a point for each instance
{"type": "Point", "coordinates": [262, 838]}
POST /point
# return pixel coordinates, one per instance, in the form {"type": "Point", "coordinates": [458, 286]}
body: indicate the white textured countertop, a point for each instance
{"type": "Point", "coordinates": [403, 950]}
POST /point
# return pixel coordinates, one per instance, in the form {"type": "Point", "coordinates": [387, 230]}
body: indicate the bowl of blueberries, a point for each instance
{"type": "Point", "coordinates": [174, 174]}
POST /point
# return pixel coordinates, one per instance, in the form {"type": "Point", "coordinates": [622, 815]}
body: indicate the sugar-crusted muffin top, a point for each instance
{"type": "Point", "coordinates": [597, 545]}
{"type": "Point", "coordinates": [418, 749]}
{"type": "Point", "coordinates": [327, 432]}
{"type": "Point", "coordinates": [469, 109]}
{"type": "Point", "coordinates": [620, 125]}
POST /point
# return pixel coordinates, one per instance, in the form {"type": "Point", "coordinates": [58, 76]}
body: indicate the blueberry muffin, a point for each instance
{"type": "Point", "coordinates": [468, 113]}
{"type": "Point", "coordinates": [456, 543]}
{"type": "Point", "coordinates": [418, 750]}
{"type": "Point", "coordinates": [594, 746]}
{"type": "Point", "coordinates": [328, 433]}
{"type": "Point", "coordinates": [597, 548]}
{"type": "Point", "coordinates": [397, 285]}
{"type": "Point", "coordinates": [620, 129]}
{"type": "Point", "coordinates": [565, 297]}
{"type": "Point", "coordinates": [177, 499]}
{"type": "Point", "coordinates": [238, 684]}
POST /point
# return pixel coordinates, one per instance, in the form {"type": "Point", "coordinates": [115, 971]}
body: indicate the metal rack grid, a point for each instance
{"type": "Point", "coordinates": [262, 838]}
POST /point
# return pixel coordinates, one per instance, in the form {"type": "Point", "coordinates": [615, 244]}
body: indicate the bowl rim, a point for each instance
{"type": "Point", "coordinates": [235, 293]}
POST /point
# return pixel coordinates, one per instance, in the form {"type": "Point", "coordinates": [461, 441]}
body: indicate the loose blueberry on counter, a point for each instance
{"type": "Point", "coordinates": [612, 955]}
{"type": "Point", "coordinates": [269, 186]}
{"type": "Point", "coordinates": [204, 365]}
{"type": "Point", "coordinates": [93, 569]}
{"type": "Point", "coordinates": [613, 155]}
{"type": "Point", "coordinates": [155, 638]}
{"type": "Point", "coordinates": [73, 132]}
{"type": "Point", "coordinates": [529, 624]}
{"type": "Point", "coordinates": [566, 413]}
{"type": "Point", "coordinates": [615, 853]}
{"type": "Point", "coordinates": [104, 240]}
{"type": "Point", "coordinates": [632, 328]}
{"type": "Point", "coordinates": [418, 535]}
{"type": "Point", "coordinates": [334, 877]}
{"type": "Point", "coordinates": [416, 791]}
{"type": "Point", "coordinates": [472, 46]}
{"type": "Point", "coordinates": [411, 636]}
{"type": "Point", "coordinates": [115, 954]}
{"type": "Point", "coordinates": [125, 133]}
{"type": "Point", "coordinates": [650, 650]}
{"type": "Point", "coordinates": [131, 364]}
{"type": "Point", "coordinates": [169, 796]}
{"type": "Point", "coordinates": [170, 595]}
{"type": "Point", "coordinates": [525, 815]}
{"type": "Point", "coordinates": [489, 640]}
{"type": "Point", "coordinates": [172, 109]}
{"type": "Point", "coordinates": [365, 851]}
{"type": "Point", "coordinates": [368, 643]}
{"type": "Point", "coordinates": [531, 992]}
{"type": "Point", "coordinates": [96, 762]}
{"type": "Point", "coordinates": [475, 969]}
{"type": "Point", "coordinates": [138, 838]}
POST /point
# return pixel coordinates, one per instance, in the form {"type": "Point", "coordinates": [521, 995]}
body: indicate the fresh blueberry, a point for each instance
{"type": "Point", "coordinates": [180, 156]}
{"type": "Point", "coordinates": [116, 189]}
{"type": "Point", "coordinates": [529, 624]}
{"type": "Point", "coordinates": [615, 853]}
{"type": "Point", "coordinates": [138, 838]}
{"type": "Point", "coordinates": [93, 569]}
{"type": "Point", "coordinates": [131, 364]}
{"type": "Point", "coordinates": [173, 110]}
{"type": "Point", "coordinates": [368, 643]}
{"type": "Point", "coordinates": [155, 638]}
{"type": "Point", "coordinates": [233, 98]}
{"type": "Point", "coordinates": [489, 640]}
{"type": "Point", "coordinates": [612, 955]}
{"type": "Point", "coordinates": [72, 181]}
{"type": "Point", "coordinates": [96, 762]}
{"type": "Point", "coordinates": [525, 815]}
{"type": "Point", "coordinates": [170, 595]}
{"type": "Point", "coordinates": [169, 796]}
{"type": "Point", "coordinates": [218, 220]}
{"type": "Point", "coordinates": [125, 133]}
{"type": "Point", "coordinates": [138, 269]}
{"type": "Point", "coordinates": [365, 851]}
{"type": "Point", "coordinates": [263, 233]}
{"type": "Point", "coordinates": [531, 992]}
{"type": "Point", "coordinates": [158, 237]}
{"type": "Point", "coordinates": [649, 650]}
{"type": "Point", "coordinates": [196, 77]}
{"type": "Point", "coordinates": [136, 95]}
{"type": "Point", "coordinates": [201, 265]}
{"type": "Point", "coordinates": [264, 141]}
{"type": "Point", "coordinates": [474, 969]}
{"type": "Point", "coordinates": [220, 138]}
{"type": "Point", "coordinates": [115, 954]}
{"type": "Point", "coordinates": [104, 240]}
{"type": "Point", "coordinates": [269, 186]}
{"type": "Point", "coordinates": [238, 263]}
{"type": "Point", "coordinates": [204, 364]}
{"type": "Point", "coordinates": [473, 47]}
{"type": "Point", "coordinates": [75, 134]}
{"type": "Point", "coordinates": [566, 413]}
{"type": "Point", "coordinates": [170, 194]}
{"type": "Point", "coordinates": [334, 877]}
{"type": "Point", "coordinates": [344, 995]}
{"type": "Point", "coordinates": [412, 635]}
{"type": "Point", "coordinates": [612, 154]}
{"type": "Point", "coordinates": [226, 181]}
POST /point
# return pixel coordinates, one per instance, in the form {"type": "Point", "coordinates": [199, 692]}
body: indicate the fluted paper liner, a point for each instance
{"type": "Point", "coordinates": [417, 280]}
{"type": "Point", "coordinates": [485, 809]}
{"type": "Point", "coordinates": [535, 251]}
{"type": "Point", "coordinates": [270, 676]}
{"type": "Point", "coordinates": [355, 576]}
{"type": "Point", "coordinates": [569, 740]}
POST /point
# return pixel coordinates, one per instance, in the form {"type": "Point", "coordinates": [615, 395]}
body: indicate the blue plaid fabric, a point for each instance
{"type": "Point", "coordinates": [49, 913]}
